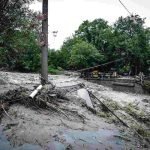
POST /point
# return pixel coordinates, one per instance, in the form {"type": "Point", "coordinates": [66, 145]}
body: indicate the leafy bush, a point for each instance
{"type": "Point", "coordinates": [84, 55]}
{"type": "Point", "coordinates": [55, 71]}
{"type": "Point", "coordinates": [21, 52]}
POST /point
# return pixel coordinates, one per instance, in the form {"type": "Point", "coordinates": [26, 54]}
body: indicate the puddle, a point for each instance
{"type": "Point", "coordinates": [89, 140]}
{"type": "Point", "coordinates": [5, 144]}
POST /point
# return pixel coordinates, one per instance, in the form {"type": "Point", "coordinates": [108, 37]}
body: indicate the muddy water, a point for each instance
{"type": "Point", "coordinates": [137, 89]}
{"type": "Point", "coordinates": [6, 145]}
{"type": "Point", "coordinates": [74, 139]}
{"type": "Point", "coordinates": [55, 131]}
{"type": "Point", "coordinates": [89, 140]}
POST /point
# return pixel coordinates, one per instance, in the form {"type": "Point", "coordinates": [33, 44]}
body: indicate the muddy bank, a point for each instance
{"type": "Point", "coordinates": [73, 125]}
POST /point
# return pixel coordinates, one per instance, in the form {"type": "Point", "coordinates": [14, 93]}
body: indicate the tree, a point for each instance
{"type": "Point", "coordinates": [66, 49]}
{"type": "Point", "coordinates": [18, 38]}
{"type": "Point", "coordinates": [95, 33]}
{"type": "Point", "coordinates": [21, 52]}
{"type": "Point", "coordinates": [54, 58]}
{"type": "Point", "coordinates": [84, 55]}
{"type": "Point", "coordinates": [99, 34]}
{"type": "Point", "coordinates": [127, 38]}
{"type": "Point", "coordinates": [11, 12]}
{"type": "Point", "coordinates": [132, 40]}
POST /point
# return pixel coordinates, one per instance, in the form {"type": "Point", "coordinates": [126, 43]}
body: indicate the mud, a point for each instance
{"type": "Point", "coordinates": [73, 126]}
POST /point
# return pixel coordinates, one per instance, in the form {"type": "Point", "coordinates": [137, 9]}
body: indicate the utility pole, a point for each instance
{"type": "Point", "coordinates": [44, 57]}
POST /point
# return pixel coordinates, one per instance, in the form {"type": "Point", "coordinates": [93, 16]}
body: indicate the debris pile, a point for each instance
{"type": "Point", "coordinates": [11, 97]}
{"type": "Point", "coordinates": [21, 96]}
{"type": "Point", "coordinates": [48, 98]}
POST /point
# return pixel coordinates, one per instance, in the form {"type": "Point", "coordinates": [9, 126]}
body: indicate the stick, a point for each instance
{"type": "Point", "coordinates": [108, 109]}
{"type": "Point", "coordinates": [6, 112]}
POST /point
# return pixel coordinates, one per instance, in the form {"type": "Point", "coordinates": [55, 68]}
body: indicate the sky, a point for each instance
{"type": "Point", "coordinates": [65, 16]}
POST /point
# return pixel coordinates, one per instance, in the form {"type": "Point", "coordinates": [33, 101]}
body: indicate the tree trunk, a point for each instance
{"type": "Point", "coordinates": [44, 59]}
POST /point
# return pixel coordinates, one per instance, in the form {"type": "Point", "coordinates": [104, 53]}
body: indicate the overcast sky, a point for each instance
{"type": "Point", "coordinates": [66, 15]}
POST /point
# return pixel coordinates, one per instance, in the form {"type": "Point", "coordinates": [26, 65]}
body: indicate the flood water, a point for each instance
{"type": "Point", "coordinates": [75, 139]}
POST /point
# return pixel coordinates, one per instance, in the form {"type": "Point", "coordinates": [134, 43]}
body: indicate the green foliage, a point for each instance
{"type": "Point", "coordinates": [84, 55]}
{"type": "Point", "coordinates": [124, 69]}
{"type": "Point", "coordinates": [127, 38]}
{"type": "Point", "coordinates": [95, 32]}
{"type": "Point", "coordinates": [93, 43]}
{"type": "Point", "coordinates": [75, 54]}
{"type": "Point", "coordinates": [11, 12]}
{"type": "Point", "coordinates": [132, 39]}
{"type": "Point", "coordinates": [21, 52]}
{"type": "Point", "coordinates": [65, 51]}
{"type": "Point", "coordinates": [55, 58]}
{"type": "Point", "coordinates": [18, 36]}
{"type": "Point", "coordinates": [55, 71]}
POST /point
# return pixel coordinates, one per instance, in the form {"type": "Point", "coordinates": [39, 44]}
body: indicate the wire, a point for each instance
{"type": "Point", "coordinates": [125, 7]}
{"type": "Point", "coordinates": [101, 65]}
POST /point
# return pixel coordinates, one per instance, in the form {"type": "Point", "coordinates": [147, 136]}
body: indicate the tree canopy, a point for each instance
{"type": "Point", "coordinates": [84, 55]}
{"type": "Point", "coordinates": [18, 36]}
{"type": "Point", "coordinates": [127, 38]}
{"type": "Point", "coordinates": [11, 13]}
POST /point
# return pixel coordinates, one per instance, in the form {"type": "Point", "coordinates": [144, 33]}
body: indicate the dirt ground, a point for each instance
{"type": "Point", "coordinates": [74, 126]}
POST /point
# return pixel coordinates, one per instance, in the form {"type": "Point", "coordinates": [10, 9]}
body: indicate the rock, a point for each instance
{"type": "Point", "coordinates": [146, 101]}
{"type": "Point", "coordinates": [2, 82]}
{"type": "Point", "coordinates": [13, 123]}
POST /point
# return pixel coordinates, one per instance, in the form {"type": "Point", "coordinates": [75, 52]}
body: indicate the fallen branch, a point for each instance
{"type": "Point", "coordinates": [6, 112]}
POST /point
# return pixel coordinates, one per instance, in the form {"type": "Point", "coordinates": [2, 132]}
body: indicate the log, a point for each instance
{"type": "Point", "coordinates": [33, 94]}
